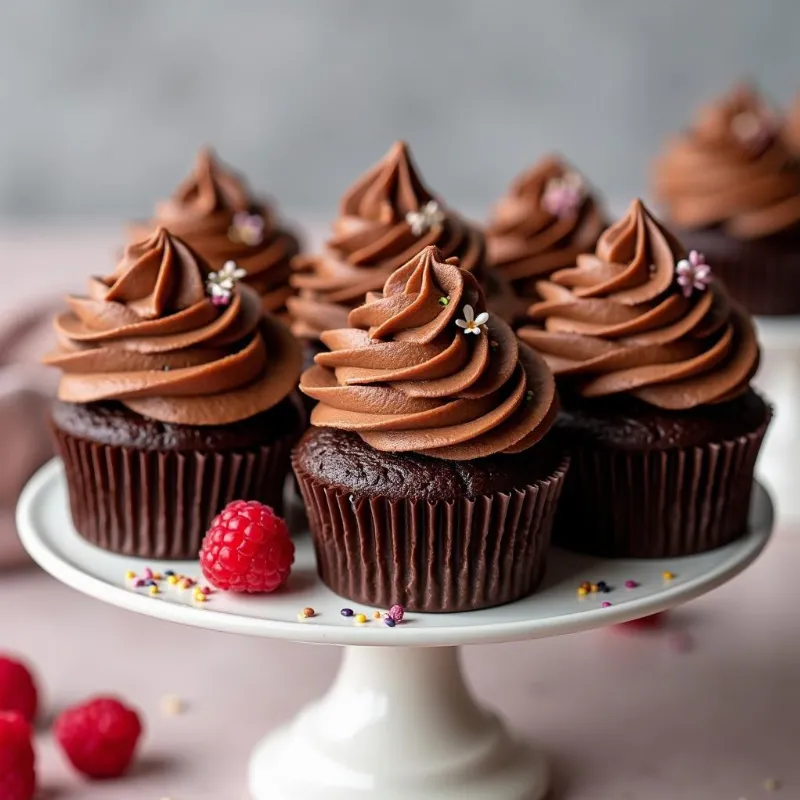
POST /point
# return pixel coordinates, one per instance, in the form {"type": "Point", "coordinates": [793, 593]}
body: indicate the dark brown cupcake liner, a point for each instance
{"type": "Point", "coordinates": [159, 504]}
{"type": "Point", "coordinates": [437, 557]}
{"type": "Point", "coordinates": [763, 275]}
{"type": "Point", "coordinates": [657, 503]}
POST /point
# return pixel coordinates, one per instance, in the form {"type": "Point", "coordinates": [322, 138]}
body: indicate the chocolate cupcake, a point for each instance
{"type": "Point", "coordinates": [791, 127]}
{"type": "Point", "coordinates": [423, 474]}
{"type": "Point", "coordinates": [653, 361]}
{"type": "Point", "coordinates": [730, 187]}
{"type": "Point", "coordinates": [549, 217]}
{"type": "Point", "coordinates": [387, 217]}
{"type": "Point", "coordinates": [215, 213]}
{"type": "Point", "coordinates": [175, 399]}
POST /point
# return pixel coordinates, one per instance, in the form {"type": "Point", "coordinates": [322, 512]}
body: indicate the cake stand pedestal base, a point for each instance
{"type": "Point", "coordinates": [397, 723]}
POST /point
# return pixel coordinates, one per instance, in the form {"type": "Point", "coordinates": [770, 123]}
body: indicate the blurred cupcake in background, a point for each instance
{"type": "Point", "coordinates": [548, 217]}
{"type": "Point", "coordinates": [387, 217]}
{"type": "Point", "coordinates": [730, 188]}
{"type": "Point", "coordinates": [791, 127]}
{"type": "Point", "coordinates": [653, 363]}
{"type": "Point", "coordinates": [216, 214]}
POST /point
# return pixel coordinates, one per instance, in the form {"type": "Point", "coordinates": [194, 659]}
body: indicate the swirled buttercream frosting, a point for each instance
{"type": "Point", "coordinates": [385, 219]}
{"type": "Point", "coordinates": [731, 169]}
{"type": "Point", "coordinates": [152, 337]}
{"type": "Point", "coordinates": [423, 367]}
{"type": "Point", "coordinates": [642, 317]}
{"type": "Point", "coordinates": [548, 217]}
{"type": "Point", "coordinates": [214, 212]}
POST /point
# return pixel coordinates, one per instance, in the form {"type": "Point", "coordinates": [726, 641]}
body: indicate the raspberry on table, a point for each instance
{"type": "Point", "coordinates": [17, 759]}
{"type": "Point", "coordinates": [247, 549]}
{"type": "Point", "coordinates": [99, 737]}
{"type": "Point", "coordinates": [17, 688]}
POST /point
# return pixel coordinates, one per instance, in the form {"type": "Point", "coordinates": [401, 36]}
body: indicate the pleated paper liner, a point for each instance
{"type": "Point", "coordinates": [159, 504]}
{"type": "Point", "coordinates": [436, 557]}
{"type": "Point", "coordinates": [763, 274]}
{"type": "Point", "coordinates": [657, 503]}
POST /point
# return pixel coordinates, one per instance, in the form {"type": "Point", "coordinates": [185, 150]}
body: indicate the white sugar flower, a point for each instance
{"type": "Point", "coordinates": [471, 323]}
{"type": "Point", "coordinates": [219, 285]}
{"type": "Point", "coordinates": [429, 216]}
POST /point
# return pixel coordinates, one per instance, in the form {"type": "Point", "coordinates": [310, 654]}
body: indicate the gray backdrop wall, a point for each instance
{"type": "Point", "coordinates": [103, 102]}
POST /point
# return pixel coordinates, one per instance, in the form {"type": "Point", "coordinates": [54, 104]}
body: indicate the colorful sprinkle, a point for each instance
{"type": "Point", "coordinates": [586, 585]}
{"type": "Point", "coordinates": [582, 591]}
{"type": "Point", "coordinates": [199, 597]}
{"type": "Point", "coordinates": [156, 576]}
{"type": "Point", "coordinates": [308, 612]}
{"type": "Point", "coordinates": [376, 615]}
{"type": "Point", "coordinates": [172, 580]}
{"type": "Point", "coordinates": [346, 612]}
{"type": "Point", "coordinates": [493, 344]}
{"type": "Point", "coordinates": [206, 590]}
{"type": "Point", "coordinates": [444, 301]}
{"type": "Point", "coordinates": [138, 583]}
{"type": "Point", "coordinates": [130, 575]}
{"type": "Point", "coordinates": [594, 588]}
{"type": "Point", "coordinates": [153, 589]}
{"type": "Point", "coordinates": [150, 583]}
{"type": "Point", "coordinates": [171, 705]}
{"type": "Point", "coordinates": [528, 396]}
{"type": "Point", "coordinates": [631, 584]}
{"type": "Point", "coordinates": [169, 573]}
{"type": "Point", "coordinates": [605, 604]}
{"type": "Point", "coordinates": [389, 621]}
{"type": "Point", "coordinates": [668, 576]}
{"type": "Point", "coordinates": [397, 612]}
{"type": "Point", "coordinates": [147, 573]}
{"type": "Point", "coordinates": [361, 618]}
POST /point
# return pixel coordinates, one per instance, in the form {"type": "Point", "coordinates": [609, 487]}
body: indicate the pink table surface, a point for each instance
{"type": "Point", "coordinates": [624, 717]}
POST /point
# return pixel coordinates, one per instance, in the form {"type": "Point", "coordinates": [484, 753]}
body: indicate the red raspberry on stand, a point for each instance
{"type": "Point", "coordinates": [17, 689]}
{"type": "Point", "coordinates": [247, 549]}
{"type": "Point", "coordinates": [17, 759]}
{"type": "Point", "coordinates": [99, 737]}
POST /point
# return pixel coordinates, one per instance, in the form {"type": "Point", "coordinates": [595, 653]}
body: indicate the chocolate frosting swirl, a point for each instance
{"type": "Point", "coordinates": [731, 169]}
{"type": "Point", "coordinates": [621, 322]}
{"type": "Point", "coordinates": [387, 217]}
{"type": "Point", "coordinates": [214, 212]}
{"type": "Point", "coordinates": [149, 336]}
{"type": "Point", "coordinates": [547, 219]}
{"type": "Point", "coordinates": [407, 377]}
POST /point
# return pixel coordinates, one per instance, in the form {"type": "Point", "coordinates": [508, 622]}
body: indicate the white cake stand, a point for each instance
{"type": "Point", "coordinates": [399, 722]}
{"type": "Point", "coordinates": [779, 379]}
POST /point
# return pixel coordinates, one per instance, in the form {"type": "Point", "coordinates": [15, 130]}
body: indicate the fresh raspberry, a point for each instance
{"type": "Point", "coordinates": [99, 737]}
{"type": "Point", "coordinates": [17, 760]}
{"type": "Point", "coordinates": [651, 622]}
{"type": "Point", "coordinates": [247, 549]}
{"type": "Point", "coordinates": [17, 689]}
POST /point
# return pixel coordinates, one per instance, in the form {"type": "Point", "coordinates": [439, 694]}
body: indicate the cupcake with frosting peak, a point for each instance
{"type": "Point", "coordinates": [424, 473]}
{"type": "Point", "coordinates": [730, 187]}
{"type": "Point", "coordinates": [549, 216]}
{"type": "Point", "coordinates": [175, 398]}
{"type": "Point", "coordinates": [654, 362]}
{"type": "Point", "coordinates": [215, 213]}
{"type": "Point", "coordinates": [387, 217]}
